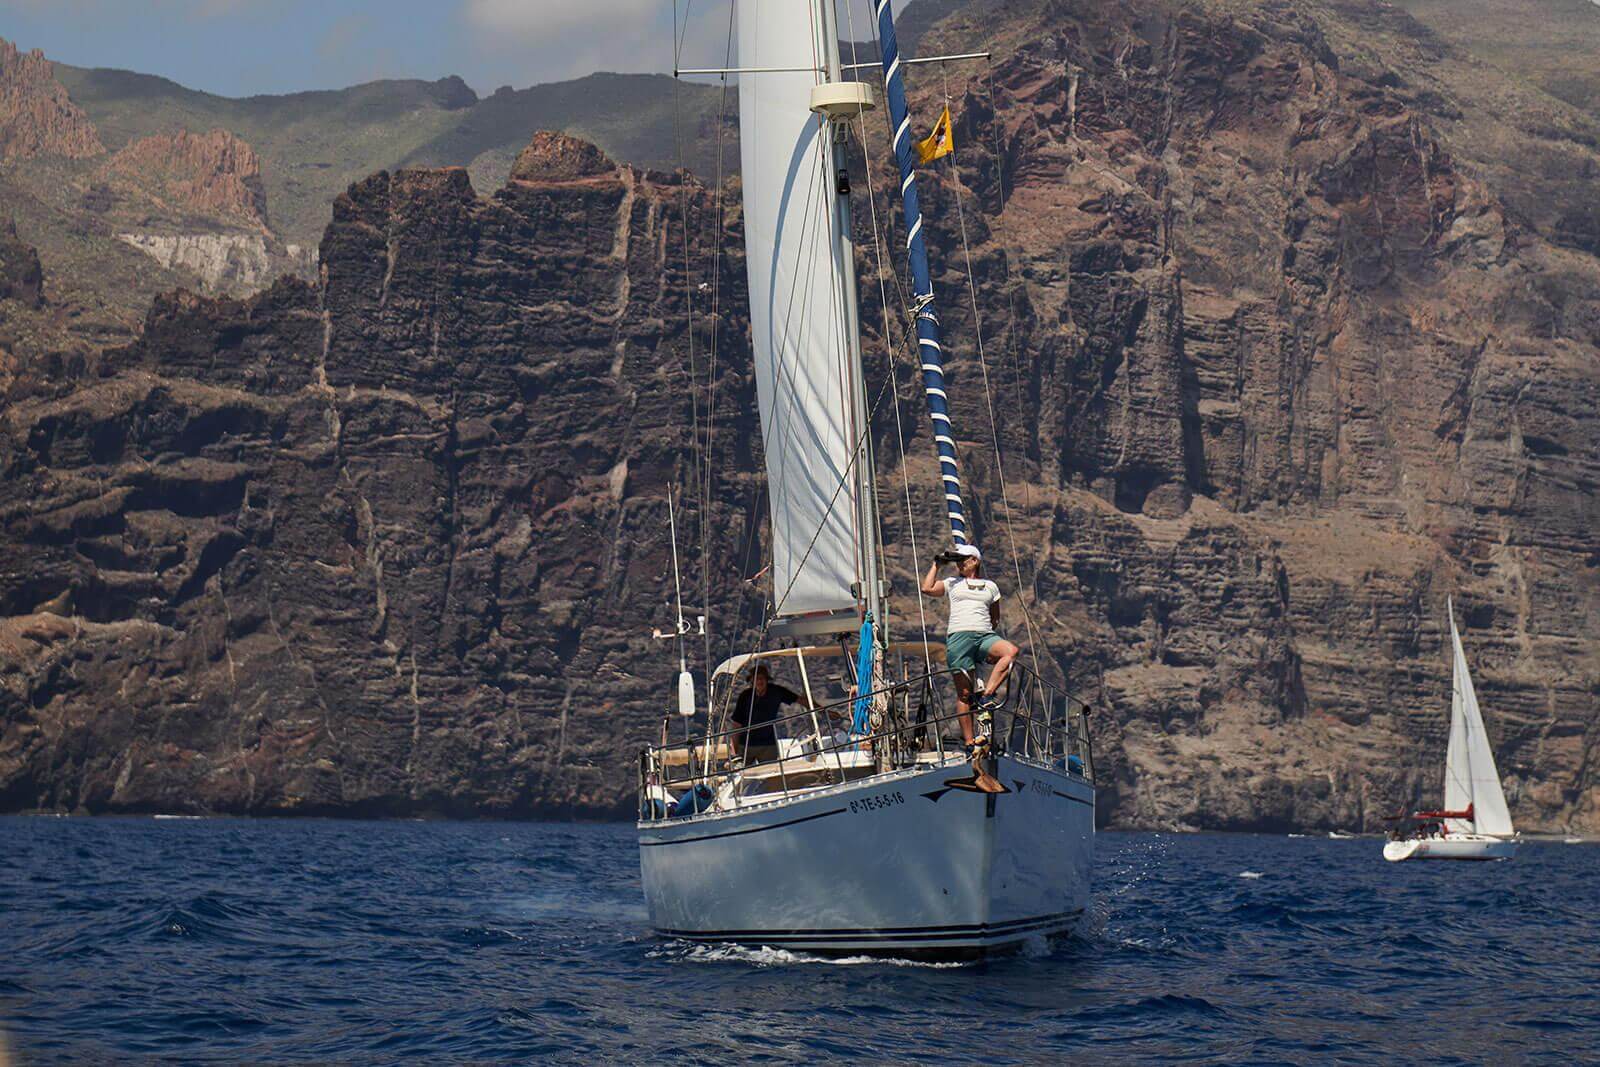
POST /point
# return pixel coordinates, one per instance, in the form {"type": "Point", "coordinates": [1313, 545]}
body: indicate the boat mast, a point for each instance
{"type": "Point", "coordinates": [871, 594]}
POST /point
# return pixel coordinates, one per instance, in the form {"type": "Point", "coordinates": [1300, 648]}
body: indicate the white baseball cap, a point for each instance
{"type": "Point", "coordinates": [969, 550]}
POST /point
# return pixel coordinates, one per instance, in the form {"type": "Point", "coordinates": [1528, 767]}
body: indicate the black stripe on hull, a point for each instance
{"type": "Point", "coordinates": [957, 947]}
{"type": "Point", "coordinates": [737, 833]}
{"type": "Point", "coordinates": [904, 935]}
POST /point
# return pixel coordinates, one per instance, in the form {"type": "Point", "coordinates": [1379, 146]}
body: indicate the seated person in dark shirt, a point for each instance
{"type": "Point", "coordinates": [755, 710]}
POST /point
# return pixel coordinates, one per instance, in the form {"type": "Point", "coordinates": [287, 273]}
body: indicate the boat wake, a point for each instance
{"type": "Point", "coordinates": [766, 956]}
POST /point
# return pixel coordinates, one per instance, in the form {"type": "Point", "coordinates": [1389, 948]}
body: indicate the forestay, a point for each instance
{"type": "Point", "coordinates": [930, 350]}
{"type": "Point", "coordinates": [797, 321]}
{"type": "Point", "coordinates": [1470, 777]}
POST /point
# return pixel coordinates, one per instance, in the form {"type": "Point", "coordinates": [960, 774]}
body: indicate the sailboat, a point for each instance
{"type": "Point", "coordinates": [1474, 823]}
{"type": "Point", "coordinates": [863, 828]}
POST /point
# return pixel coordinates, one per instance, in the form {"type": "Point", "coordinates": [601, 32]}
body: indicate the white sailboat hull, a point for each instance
{"type": "Point", "coordinates": [1451, 847]}
{"type": "Point", "coordinates": [897, 863]}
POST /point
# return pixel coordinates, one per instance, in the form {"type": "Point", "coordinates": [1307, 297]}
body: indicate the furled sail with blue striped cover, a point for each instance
{"type": "Point", "coordinates": [797, 319]}
{"type": "Point", "coordinates": [930, 352]}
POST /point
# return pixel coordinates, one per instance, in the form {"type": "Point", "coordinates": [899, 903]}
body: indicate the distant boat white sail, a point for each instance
{"type": "Point", "coordinates": [1470, 778]}
{"type": "Point", "coordinates": [1475, 823]}
{"type": "Point", "coordinates": [797, 318]}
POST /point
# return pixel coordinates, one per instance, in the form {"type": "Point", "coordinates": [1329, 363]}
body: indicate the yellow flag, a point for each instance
{"type": "Point", "coordinates": [939, 142]}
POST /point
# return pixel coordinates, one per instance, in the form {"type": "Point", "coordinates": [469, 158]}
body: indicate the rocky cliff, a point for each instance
{"type": "Point", "coordinates": [397, 545]}
{"type": "Point", "coordinates": [1300, 341]}
{"type": "Point", "coordinates": [21, 276]}
{"type": "Point", "coordinates": [1279, 356]}
{"type": "Point", "coordinates": [37, 118]}
{"type": "Point", "coordinates": [169, 208]}
{"type": "Point", "coordinates": [176, 206]}
{"type": "Point", "coordinates": [196, 205]}
{"type": "Point", "coordinates": [214, 174]}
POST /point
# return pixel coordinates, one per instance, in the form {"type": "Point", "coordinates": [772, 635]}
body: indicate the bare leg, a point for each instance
{"type": "Point", "coordinates": [964, 704]}
{"type": "Point", "coordinates": [1001, 655]}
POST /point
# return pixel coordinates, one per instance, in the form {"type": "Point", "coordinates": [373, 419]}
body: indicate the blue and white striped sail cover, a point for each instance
{"type": "Point", "coordinates": [929, 351]}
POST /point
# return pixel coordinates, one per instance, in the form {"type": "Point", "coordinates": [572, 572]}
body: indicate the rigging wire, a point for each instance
{"type": "Point", "coordinates": [1011, 266]}
{"type": "Point", "coordinates": [841, 483]}
{"type": "Point", "coordinates": [858, 127]}
{"type": "Point", "coordinates": [703, 429]}
{"type": "Point", "coordinates": [781, 369]}
{"type": "Point", "coordinates": [862, 437]}
{"type": "Point", "coordinates": [891, 348]}
{"type": "Point", "coordinates": [1028, 621]}
{"type": "Point", "coordinates": [870, 476]}
{"type": "Point", "coordinates": [795, 304]}
{"type": "Point", "coordinates": [707, 498]}
{"type": "Point", "coordinates": [677, 584]}
{"type": "Point", "coordinates": [699, 467]}
{"type": "Point", "coordinates": [844, 480]}
{"type": "Point", "coordinates": [1012, 289]}
{"type": "Point", "coordinates": [988, 397]}
{"type": "Point", "coordinates": [841, 342]}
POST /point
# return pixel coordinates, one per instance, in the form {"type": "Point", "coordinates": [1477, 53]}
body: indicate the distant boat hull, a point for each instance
{"type": "Point", "coordinates": [895, 864]}
{"type": "Point", "coordinates": [1451, 847]}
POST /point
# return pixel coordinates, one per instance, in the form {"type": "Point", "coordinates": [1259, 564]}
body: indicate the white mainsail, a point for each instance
{"type": "Point", "coordinates": [1470, 777]}
{"type": "Point", "coordinates": [797, 320]}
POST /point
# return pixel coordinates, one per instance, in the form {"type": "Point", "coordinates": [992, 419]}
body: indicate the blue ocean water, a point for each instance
{"type": "Point", "coordinates": [210, 940]}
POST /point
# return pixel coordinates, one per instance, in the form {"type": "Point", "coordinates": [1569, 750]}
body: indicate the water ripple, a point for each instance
{"type": "Point", "coordinates": [232, 940]}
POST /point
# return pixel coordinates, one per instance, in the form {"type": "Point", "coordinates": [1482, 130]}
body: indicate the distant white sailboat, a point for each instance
{"type": "Point", "coordinates": [1474, 823]}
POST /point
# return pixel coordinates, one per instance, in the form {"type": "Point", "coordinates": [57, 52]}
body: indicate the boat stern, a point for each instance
{"type": "Point", "coordinates": [1398, 851]}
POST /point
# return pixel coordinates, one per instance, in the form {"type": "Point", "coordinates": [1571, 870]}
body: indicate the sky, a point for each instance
{"type": "Point", "coordinates": [244, 47]}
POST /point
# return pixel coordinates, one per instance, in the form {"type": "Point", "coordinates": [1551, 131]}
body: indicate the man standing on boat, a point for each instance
{"type": "Point", "coordinates": [970, 637]}
{"type": "Point", "coordinates": [755, 711]}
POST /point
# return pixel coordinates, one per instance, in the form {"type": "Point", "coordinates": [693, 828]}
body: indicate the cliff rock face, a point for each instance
{"type": "Point", "coordinates": [193, 204]}
{"type": "Point", "coordinates": [389, 542]}
{"type": "Point", "coordinates": [224, 261]}
{"type": "Point", "coordinates": [214, 174]}
{"type": "Point", "coordinates": [36, 116]}
{"type": "Point", "coordinates": [1278, 360]}
{"type": "Point", "coordinates": [21, 277]}
{"type": "Point", "coordinates": [1285, 363]}
{"type": "Point", "coordinates": [557, 157]}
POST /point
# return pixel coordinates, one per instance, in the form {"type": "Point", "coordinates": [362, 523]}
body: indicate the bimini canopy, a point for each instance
{"type": "Point", "coordinates": [932, 650]}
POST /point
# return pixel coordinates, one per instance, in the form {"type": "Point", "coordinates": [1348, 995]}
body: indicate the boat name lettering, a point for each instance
{"type": "Point", "coordinates": [877, 802]}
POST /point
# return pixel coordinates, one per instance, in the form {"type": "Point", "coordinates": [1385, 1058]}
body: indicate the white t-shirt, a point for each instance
{"type": "Point", "coordinates": [969, 604]}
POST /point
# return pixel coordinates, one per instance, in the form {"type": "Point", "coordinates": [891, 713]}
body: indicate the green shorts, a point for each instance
{"type": "Point", "coordinates": [966, 649]}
